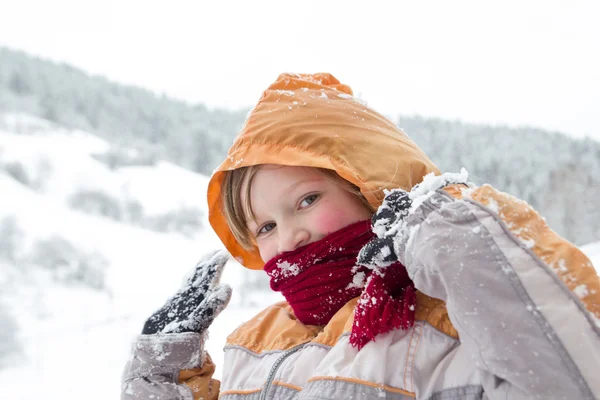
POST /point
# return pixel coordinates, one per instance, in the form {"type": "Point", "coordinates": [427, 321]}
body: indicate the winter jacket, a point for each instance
{"type": "Point", "coordinates": [506, 308]}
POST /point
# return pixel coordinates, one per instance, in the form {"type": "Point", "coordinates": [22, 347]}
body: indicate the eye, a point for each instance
{"type": "Point", "coordinates": [308, 200]}
{"type": "Point", "coordinates": [266, 228]}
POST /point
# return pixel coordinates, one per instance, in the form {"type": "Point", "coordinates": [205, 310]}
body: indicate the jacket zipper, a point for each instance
{"type": "Point", "coordinates": [278, 362]}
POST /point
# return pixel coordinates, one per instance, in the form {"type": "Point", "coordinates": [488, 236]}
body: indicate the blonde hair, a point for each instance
{"type": "Point", "coordinates": [238, 212]}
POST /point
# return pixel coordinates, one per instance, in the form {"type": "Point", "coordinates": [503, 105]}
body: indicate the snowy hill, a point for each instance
{"type": "Point", "coordinates": [66, 166]}
{"type": "Point", "coordinates": [79, 275]}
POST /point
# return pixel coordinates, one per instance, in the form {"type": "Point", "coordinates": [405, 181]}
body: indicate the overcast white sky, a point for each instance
{"type": "Point", "coordinates": [515, 62]}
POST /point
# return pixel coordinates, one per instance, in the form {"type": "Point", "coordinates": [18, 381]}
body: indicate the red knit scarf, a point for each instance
{"type": "Point", "coordinates": [319, 278]}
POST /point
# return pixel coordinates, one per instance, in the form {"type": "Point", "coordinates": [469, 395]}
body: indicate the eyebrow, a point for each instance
{"type": "Point", "coordinates": [301, 182]}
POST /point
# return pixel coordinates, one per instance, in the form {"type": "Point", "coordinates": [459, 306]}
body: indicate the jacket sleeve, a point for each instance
{"type": "Point", "coordinates": [169, 367]}
{"type": "Point", "coordinates": [525, 302]}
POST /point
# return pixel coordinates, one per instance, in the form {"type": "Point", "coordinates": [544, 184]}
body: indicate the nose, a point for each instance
{"type": "Point", "coordinates": [292, 237]}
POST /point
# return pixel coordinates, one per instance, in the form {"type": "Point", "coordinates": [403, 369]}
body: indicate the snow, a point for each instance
{"type": "Point", "coordinates": [187, 190]}
{"type": "Point", "coordinates": [581, 291]}
{"type": "Point", "coordinates": [381, 225]}
{"type": "Point", "coordinates": [592, 250]}
{"type": "Point", "coordinates": [53, 158]}
{"type": "Point", "coordinates": [529, 243]}
{"type": "Point", "coordinates": [75, 339]}
{"type": "Point", "coordinates": [289, 93]}
{"type": "Point", "coordinates": [431, 183]}
{"type": "Point", "coordinates": [358, 281]}
{"type": "Point", "coordinates": [493, 205]}
{"type": "Point", "coordinates": [287, 270]}
{"type": "Point", "coordinates": [64, 163]}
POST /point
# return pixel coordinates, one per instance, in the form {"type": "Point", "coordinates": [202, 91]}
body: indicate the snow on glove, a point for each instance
{"type": "Point", "coordinates": [197, 303]}
{"type": "Point", "coordinates": [391, 221]}
{"type": "Point", "coordinates": [386, 225]}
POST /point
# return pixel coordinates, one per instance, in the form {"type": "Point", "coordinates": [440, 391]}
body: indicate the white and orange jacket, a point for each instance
{"type": "Point", "coordinates": [506, 308]}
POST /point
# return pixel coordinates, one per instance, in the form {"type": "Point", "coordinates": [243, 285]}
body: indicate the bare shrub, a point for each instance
{"type": "Point", "coordinates": [98, 203]}
{"type": "Point", "coordinates": [69, 264]}
{"type": "Point", "coordinates": [185, 220]}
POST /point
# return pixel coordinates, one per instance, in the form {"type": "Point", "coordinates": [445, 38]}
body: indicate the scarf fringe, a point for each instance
{"type": "Point", "coordinates": [379, 312]}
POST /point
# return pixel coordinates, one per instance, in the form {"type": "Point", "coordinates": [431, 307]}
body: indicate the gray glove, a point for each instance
{"type": "Point", "coordinates": [197, 303]}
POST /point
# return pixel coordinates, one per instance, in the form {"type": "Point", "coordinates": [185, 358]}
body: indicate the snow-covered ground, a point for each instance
{"type": "Point", "coordinates": [75, 339]}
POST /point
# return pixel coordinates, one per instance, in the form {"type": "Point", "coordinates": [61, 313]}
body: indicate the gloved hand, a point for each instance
{"type": "Point", "coordinates": [197, 303]}
{"type": "Point", "coordinates": [392, 223]}
{"type": "Point", "coordinates": [388, 225]}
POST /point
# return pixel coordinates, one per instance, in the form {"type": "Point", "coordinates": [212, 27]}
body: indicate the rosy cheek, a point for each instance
{"type": "Point", "coordinates": [331, 220]}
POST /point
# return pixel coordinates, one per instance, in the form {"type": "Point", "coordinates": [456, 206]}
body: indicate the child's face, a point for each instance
{"type": "Point", "coordinates": [295, 206]}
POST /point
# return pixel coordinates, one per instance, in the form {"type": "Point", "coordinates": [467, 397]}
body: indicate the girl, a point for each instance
{"type": "Point", "coordinates": [459, 292]}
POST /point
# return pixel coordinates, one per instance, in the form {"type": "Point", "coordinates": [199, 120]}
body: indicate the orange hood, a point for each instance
{"type": "Point", "coordinates": [314, 121]}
